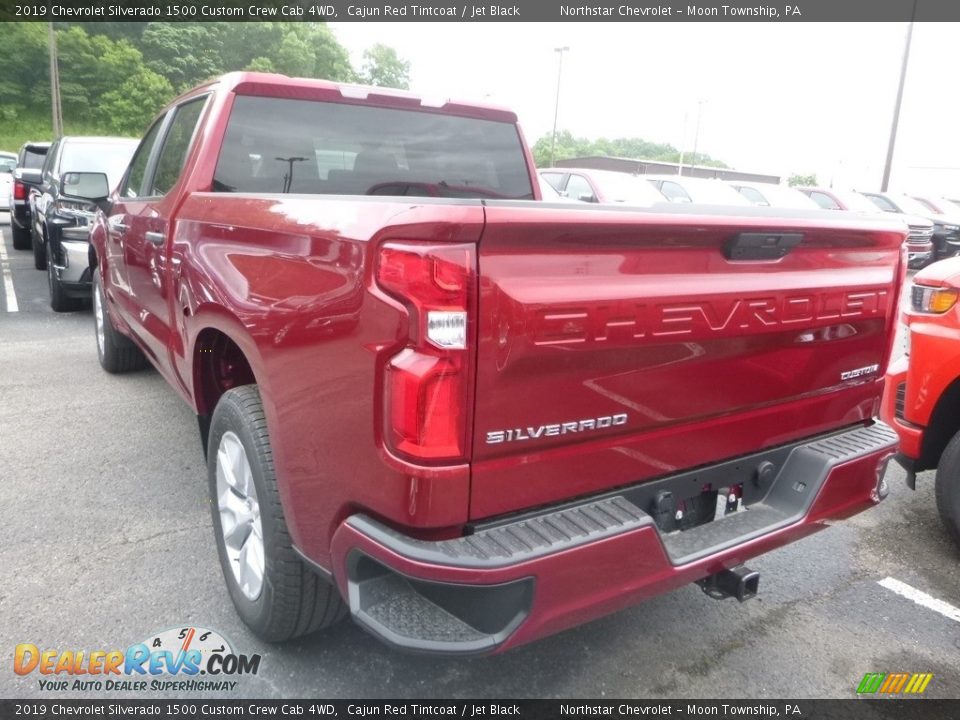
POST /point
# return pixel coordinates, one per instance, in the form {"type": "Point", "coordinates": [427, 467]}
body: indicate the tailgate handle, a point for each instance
{"type": "Point", "coordinates": [761, 246]}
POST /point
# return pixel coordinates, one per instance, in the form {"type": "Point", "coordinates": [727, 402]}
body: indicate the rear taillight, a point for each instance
{"type": "Point", "coordinates": [19, 190]}
{"type": "Point", "coordinates": [426, 384]}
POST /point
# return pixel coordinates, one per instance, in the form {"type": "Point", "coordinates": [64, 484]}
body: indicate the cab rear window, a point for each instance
{"type": "Point", "coordinates": [277, 145]}
{"type": "Point", "coordinates": [33, 160]}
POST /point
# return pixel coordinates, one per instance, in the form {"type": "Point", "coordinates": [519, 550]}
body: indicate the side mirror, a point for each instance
{"type": "Point", "coordinates": [587, 197]}
{"type": "Point", "coordinates": [28, 175]}
{"type": "Point", "coordinates": [90, 186]}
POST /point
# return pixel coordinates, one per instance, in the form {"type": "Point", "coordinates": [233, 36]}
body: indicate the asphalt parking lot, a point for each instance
{"type": "Point", "coordinates": [106, 540]}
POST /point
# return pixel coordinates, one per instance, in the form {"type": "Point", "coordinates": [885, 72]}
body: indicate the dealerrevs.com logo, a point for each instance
{"type": "Point", "coordinates": [179, 659]}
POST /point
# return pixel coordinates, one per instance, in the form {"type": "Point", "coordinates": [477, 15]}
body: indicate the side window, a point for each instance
{"type": "Point", "coordinates": [577, 187]}
{"type": "Point", "coordinates": [753, 195]}
{"type": "Point", "coordinates": [884, 204]}
{"type": "Point", "coordinates": [674, 193]}
{"type": "Point", "coordinates": [824, 201]}
{"type": "Point", "coordinates": [47, 172]}
{"type": "Point", "coordinates": [554, 178]}
{"type": "Point", "coordinates": [133, 185]}
{"type": "Point", "coordinates": [176, 146]}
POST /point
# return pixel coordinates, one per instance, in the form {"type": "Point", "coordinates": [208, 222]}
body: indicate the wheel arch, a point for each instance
{"type": "Point", "coordinates": [944, 424]}
{"type": "Point", "coordinates": [222, 357]}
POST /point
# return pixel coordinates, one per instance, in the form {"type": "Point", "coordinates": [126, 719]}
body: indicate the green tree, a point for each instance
{"type": "Point", "coordinates": [127, 109]}
{"type": "Point", "coordinates": [568, 146]}
{"type": "Point", "coordinates": [332, 59]}
{"type": "Point", "coordinates": [243, 43]}
{"type": "Point", "coordinates": [295, 57]}
{"type": "Point", "coordinates": [382, 66]}
{"type": "Point", "coordinates": [186, 54]}
{"type": "Point", "coordinates": [260, 64]}
{"type": "Point", "coordinates": [802, 180]}
{"type": "Point", "coordinates": [114, 77]}
{"type": "Point", "coordinates": [90, 66]}
{"type": "Point", "coordinates": [24, 82]}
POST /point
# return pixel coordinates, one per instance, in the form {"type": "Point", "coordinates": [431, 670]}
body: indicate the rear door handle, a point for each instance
{"type": "Point", "coordinates": [118, 227]}
{"type": "Point", "coordinates": [155, 238]}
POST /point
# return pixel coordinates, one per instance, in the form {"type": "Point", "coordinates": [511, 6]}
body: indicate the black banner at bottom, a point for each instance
{"type": "Point", "coordinates": [922, 709]}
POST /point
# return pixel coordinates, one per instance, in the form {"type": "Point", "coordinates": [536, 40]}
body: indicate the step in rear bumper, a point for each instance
{"type": "Point", "coordinates": [518, 581]}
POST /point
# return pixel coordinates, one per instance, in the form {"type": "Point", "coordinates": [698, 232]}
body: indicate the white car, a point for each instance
{"type": "Point", "coordinates": [8, 161]}
{"type": "Point", "coordinates": [684, 189]}
{"type": "Point", "coordinates": [601, 186]}
{"type": "Point", "coordinates": [770, 195]}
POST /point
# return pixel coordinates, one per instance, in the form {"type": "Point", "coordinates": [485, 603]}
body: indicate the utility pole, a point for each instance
{"type": "Point", "coordinates": [54, 83]}
{"type": "Point", "coordinates": [896, 110]}
{"type": "Point", "coordinates": [696, 133]}
{"type": "Point", "coordinates": [683, 141]}
{"type": "Point", "coordinates": [556, 104]}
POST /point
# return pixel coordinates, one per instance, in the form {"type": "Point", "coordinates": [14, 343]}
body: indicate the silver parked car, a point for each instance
{"type": "Point", "coordinates": [8, 162]}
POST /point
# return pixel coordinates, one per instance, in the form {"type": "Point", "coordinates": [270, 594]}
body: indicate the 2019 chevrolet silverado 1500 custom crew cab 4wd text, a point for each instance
{"type": "Point", "coordinates": [469, 418]}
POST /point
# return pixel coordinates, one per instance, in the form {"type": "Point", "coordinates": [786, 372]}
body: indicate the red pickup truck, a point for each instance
{"type": "Point", "coordinates": [923, 387]}
{"type": "Point", "coordinates": [468, 416]}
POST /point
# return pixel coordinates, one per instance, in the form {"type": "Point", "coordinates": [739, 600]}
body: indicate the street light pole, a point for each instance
{"type": "Point", "coordinates": [896, 109]}
{"type": "Point", "coordinates": [683, 141]}
{"type": "Point", "coordinates": [556, 104]}
{"type": "Point", "coordinates": [696, 133]}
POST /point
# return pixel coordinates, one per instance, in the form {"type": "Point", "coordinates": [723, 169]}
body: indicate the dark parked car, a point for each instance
{"type": "Point", "coordinates": [946, 228]}
{"type": "Point", "coordinates": [26, 175]}
{"type": "Point", "coordinates": [61, 224]}
{"type": "Point", "coordinates": [919, 241]}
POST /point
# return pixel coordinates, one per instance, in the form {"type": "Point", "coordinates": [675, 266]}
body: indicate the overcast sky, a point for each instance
{"type": "Point", "coordinates": [778, 98]}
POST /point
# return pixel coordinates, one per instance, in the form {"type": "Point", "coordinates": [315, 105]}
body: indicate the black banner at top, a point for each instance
{"type": "Point", "coordinates": [479, 10]}
{"type": "Point", "coordinates": [254, 709]}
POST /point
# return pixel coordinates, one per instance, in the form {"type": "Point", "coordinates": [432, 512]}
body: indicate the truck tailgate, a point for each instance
{"type": "Point", "coordinates": [619, 346]}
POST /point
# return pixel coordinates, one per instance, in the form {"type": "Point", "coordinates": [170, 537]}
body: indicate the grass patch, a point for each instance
{"type": "Point", "coordinates": [14, 133]}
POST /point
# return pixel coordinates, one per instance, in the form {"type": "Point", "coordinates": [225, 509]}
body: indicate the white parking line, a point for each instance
{"type": "Point", "coordinates": [7, 280]}
{"type": "Point", "coordinates": [921, 598]}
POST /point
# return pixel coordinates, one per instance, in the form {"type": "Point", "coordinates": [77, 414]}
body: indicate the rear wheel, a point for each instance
{"type": "Point", "coordinates": [948, 488]}
{"type": "Point", "coordinates": [117, 352]}
{"type": "Point", "coordinates": [21, 237]}
{"type": "Point", "coordinates": [273, 590]}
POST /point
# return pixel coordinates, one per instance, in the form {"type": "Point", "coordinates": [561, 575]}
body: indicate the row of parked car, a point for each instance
{"type": "Point", "coordinates": [48, 218]}
{"type": "Point", "coordinates": [46, 214]}
{"type": "Point", "coordinates": [934, 222]}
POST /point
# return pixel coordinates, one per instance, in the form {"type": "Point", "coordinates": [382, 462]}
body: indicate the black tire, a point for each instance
{"type": "Point", "coordinates": [117, 352]}
{"type": "Point", "coordinates": [59, 300]}
{"type": "Point", "coordinates": [21, 237]}
{"type": "Point", "coordinates": [39, 251]}
{"type": "Point", "coordinates": [948, 488]}
{"type": "Point", "coordinates": [293, 599]}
